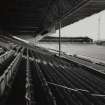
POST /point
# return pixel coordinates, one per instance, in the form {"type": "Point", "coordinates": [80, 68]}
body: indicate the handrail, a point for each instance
{"type": "Point", "coordinates": [29, 86]}
{"type": "Point", "coordinates": [77, 90]}
{"type": "Point", "coordinates": [6, 55]}
{"type": "Point", "coordinates": [9, 74]}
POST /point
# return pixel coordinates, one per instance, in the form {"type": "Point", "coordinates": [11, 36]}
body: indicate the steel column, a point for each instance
{"type": "Point", "coordinates": [59, 38]}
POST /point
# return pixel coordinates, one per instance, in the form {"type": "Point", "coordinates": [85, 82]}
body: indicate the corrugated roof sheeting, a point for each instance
{"type": "Point", "coordinates": [38, 16]}
{"type": "Point", "coordinates": [59, 8]}
{"type": "Point", "coordinates": [92, 7]}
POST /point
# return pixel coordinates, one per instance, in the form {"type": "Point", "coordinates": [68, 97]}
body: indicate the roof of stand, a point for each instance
{"type": "Point", "coordinates": [31, 17]}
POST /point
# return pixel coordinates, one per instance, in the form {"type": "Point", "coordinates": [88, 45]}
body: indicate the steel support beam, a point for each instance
{"type": "Point", "coordinates": [59, 38]}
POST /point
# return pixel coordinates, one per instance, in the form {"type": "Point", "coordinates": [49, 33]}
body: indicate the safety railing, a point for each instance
{"type": "Point", "coordinates": [6, 55]}
{"type": "Point", "coordinates": [9, 74]}
{"type": "Point", "coordinates": [19, 49]}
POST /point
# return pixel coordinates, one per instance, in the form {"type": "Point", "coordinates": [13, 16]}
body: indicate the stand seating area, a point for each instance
{"type": "Point", "coordinates": [29, 77]}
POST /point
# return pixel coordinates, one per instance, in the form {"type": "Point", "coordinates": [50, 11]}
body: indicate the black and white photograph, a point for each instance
{"type": "Point", "coordinates": [52, 52]}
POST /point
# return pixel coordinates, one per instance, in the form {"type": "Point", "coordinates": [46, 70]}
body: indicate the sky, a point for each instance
{"type": "Point", "coordinates": [86, 27]}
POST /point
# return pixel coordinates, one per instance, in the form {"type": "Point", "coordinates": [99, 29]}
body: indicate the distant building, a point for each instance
{"type": "Point", "coordinates": [100, 43]}
{"type": "Point", "coordinates": [67, 39]}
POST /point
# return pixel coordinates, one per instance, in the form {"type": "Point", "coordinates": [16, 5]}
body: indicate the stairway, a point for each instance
{"type": "Point", "coordinates": [17, 93]}
{"type": "Point", "coordinates": [39, 94]}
